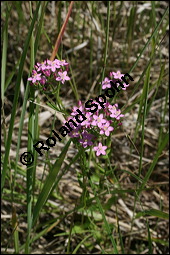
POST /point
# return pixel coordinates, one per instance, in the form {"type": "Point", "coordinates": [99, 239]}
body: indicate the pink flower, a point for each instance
{"type": "Point", "coordinates": [110, 74]}
{"type": "Point", "coordinates": [87, 122]}
{"type": "Point", "coordinates": [100, 149]}
{"type": "Point", "coordinates": [106, 129]}
{"type": "Point", "coordinates": [35, 77]}
{"type": "Point", "coordinates": [117, 75]}
{"type": "Point", "coordinates": [47, 72]}
{"type": "Point", "coordinates": [43, 80]}
{"type": "Point", "coordinates": [42, 66]}
{"type": "Point", "coordinates": [52, 65]}
{"type": "Point", "coordinates": [112, 108]}
{"type": "Point", "coordinates": [62, 63]}
{"type": "Point", "coordinates": [75, 132]}
{"type": "Point", "coordinates": [63, 77]}
{"type": "Point", "coordinates": [86, 141]}
{"type": "Point", "coordinates": [125, 86]}
{"type": "Point", "coordinates": [116, 114]}
{"type": "Point", "coordinates": [106, 83]}
{"type": "Point", "coordinates": [74, 110]}
{"type": "Point", "coordinates": [49, 69]}
{"type": "Point", "coordinates": [98, 120]}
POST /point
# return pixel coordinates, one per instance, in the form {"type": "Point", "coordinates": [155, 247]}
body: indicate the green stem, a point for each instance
{"type": "Point", "coordinates": [107, 41]}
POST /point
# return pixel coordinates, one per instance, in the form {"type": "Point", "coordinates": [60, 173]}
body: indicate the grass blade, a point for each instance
{"type": "Point", "coordinates": [150, 170]}
{"type": "Point", "coordinates": [153, 212]}
{"type": "Point", "coordinates": [145, 101]}
{"type": "Point", "coordinates": [149, 40]}
{"type": "Point", "coordinates": [78, 246]}
{"type": "Point", "coordinates": [30, 170]}
{"type": "Point", "coordinates": [48, 185]}
{"type": "Point", "coordinates": [149, 240]}
{"type": "Point", "coordinates": [15, 102]}
{"type": "Point", "coordinates": [103, 216]}
{"type": "Point", "coordinates": [107, 42]}
{"type": "Point", "coordinates": [4, 52]}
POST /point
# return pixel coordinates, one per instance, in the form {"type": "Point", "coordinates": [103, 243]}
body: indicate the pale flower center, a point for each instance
{"type": "Point", "coordinates": [99, 119]}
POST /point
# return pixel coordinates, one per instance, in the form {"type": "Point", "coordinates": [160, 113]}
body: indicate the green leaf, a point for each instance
{"type": "Point", "coordinates": [50, 181]}
{"type": "Point", "coordinates": [153, 212]}
{"type": "Point", "coordinates": [78, 229]}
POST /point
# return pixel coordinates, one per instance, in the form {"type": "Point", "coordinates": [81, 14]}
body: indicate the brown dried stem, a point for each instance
{"type": "Point", "coordinates": [57, 44]}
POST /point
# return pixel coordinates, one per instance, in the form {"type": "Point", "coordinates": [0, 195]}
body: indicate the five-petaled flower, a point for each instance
{"type": "Point", "coordinates": [63, 63]}
{"type": "Point", "coordinates": [52, 65]}
{"type": "Point", "coordinates": [116, 113]}
{"type": "Point", "coordinates": [106, 83]}
{"type": "Point", "coordinates": [98, 120]}
{"type": "Point", "coordinates": [63, 77]}
{"type": "Point", "coordinates": [35, 77]}
{"type": "Point", "coordinates": [42, 66]}
{"type": "Point", "coordinates": [117, 75]}
{"type": "Point", "coordinates": [106, 129]}
{"type": "Point", "coordinates": [100, 149]}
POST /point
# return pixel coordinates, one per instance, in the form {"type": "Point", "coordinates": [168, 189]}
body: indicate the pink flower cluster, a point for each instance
{"type": "Point", "coordinates": [98, 125]}
{"type": "Point", "coordinates": [47, 72]}
{"type": "Point", "coordinates": [113, 76]}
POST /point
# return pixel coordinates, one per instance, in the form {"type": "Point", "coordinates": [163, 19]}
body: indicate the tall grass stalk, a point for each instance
{"type": "Point", "coordinates": [15, 102]}
{"type": "Point", "coordinates": [31, 133]}
{"type": "Point", "coordinates": [106, 43]}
